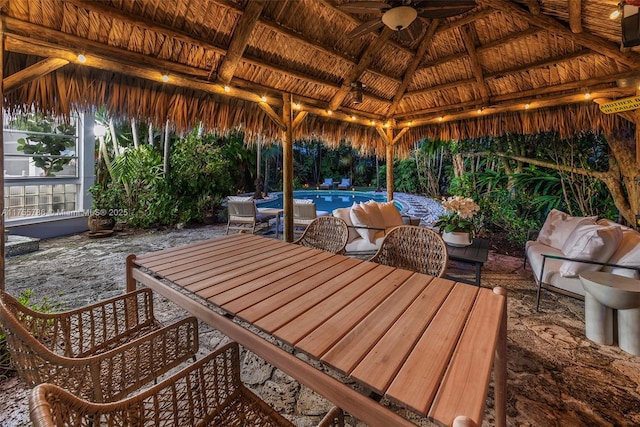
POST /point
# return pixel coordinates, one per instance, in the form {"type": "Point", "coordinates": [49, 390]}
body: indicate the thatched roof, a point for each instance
{"type": "Point", "coordinates": [493, 59]}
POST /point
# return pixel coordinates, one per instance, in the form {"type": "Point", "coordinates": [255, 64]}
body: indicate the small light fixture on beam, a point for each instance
{"type": "Point", "coordinates": [440, 118]}
{"type": "Point", "coordinates": [329, 112]}
{"type": "Point", "coordinates": [227, 89]}
{"type": "Point", "coordinates": [387, 125]}
{"type": "Point", "coordinates": [82, 59]}
{"type": "Point", "coordinates": [480, 110]}
{"type": "Point", "coordinates": [373, 122]}
{"type": "Point", "coordinates": [165, 78]}
{"type": "Point", "coordinates": [296, 106]}
{"type": "Point", "coordinates": [357, 92]}
{"type": "Point", "coordinates": [527, 106]}
{"type": "Point", "coordinates": [409, 124]}
{"type": "Point", "coordinates": [353, 118]}
{"type": "Point", "coordinates": [587, 95]}
{"type": "Point", "coordinates": [263, 99]}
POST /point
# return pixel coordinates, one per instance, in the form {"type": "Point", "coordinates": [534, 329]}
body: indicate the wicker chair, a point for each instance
{"type": "Point", "coordinates": [206, 393]}
{"type": "Point", "coordinates": [100, 352]}
{"type": "Point", "coordinates": [327, 233]}
{"type": "Point", "coordinates": [414, 248]}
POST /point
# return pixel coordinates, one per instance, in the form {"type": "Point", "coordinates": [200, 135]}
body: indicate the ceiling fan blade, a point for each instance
{"type": "Point", "coordinates": [365, 28]}
{"type": "Point", "coordinates": [364, 6]}
{"type": "Point", "coordinates": [443, 13]}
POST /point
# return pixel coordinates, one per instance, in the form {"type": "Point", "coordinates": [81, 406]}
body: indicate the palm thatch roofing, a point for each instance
{"type": "Point", "coordinates": [503, 66]}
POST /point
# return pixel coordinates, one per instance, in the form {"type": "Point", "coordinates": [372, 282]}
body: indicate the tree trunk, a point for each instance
{"type": "Point", "coordinates": [624, 187]}
{"type": "Point", "coordinates": [134, 132]}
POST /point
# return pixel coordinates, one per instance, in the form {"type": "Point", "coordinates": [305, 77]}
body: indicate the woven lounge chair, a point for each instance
{"type": "Point", "coordinates": [207, 393]}
{"type": "Point", "coordinates": [414, 248]}
{"type": "Point", "coordinates": [100, 352]}
{"type": "Point", "coordinates": [326, 233]}
{"type": "Point", "coordinates": [244, 216]}
{"type": "Point", "coordinates": [344, 184]}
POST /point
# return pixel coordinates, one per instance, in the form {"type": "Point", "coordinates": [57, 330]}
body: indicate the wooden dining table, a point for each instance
{"type": "Point", "coordinates": [423, 343]}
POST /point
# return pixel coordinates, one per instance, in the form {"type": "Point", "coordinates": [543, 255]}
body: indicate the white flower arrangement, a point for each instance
{"type": "Point", "coordinates": [461, 211]}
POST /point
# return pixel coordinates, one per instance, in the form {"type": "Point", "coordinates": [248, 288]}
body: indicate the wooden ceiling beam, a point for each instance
{"type": "Point", "coordinates": [469, 38]}
{"type": "Point", "coordinates": [533, 5]}
{"type": "Point", "coordinates": [549, 62]}
{"type": "Point", "coordinates": [32, 72]}
{"type": "Point", "coordinates": [452, 25]}
{"type": "Point", "coordinates": [575, 16]}
{"type": "Point", "coordinates": [413, 65]}
{"type": "Point", "coordinates": [365, 60]}
{"type": "Point", "coordinates": [27, 46]}
{"type": "Point", "coordinates": [239, 40]}
{"type": "Point", "coordinates": [597, 44]}
{"type": "Point", "coordinates": [273, 115]}
{"type": "Point", "coordinates": [513, 106]}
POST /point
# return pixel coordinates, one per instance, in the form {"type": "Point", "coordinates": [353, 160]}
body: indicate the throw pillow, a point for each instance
{"type": "Point", "coordinates": [596, 244]}
{"type": "Point", "coordinates": [605, 221]}
{"type": "Point", "coordinates": [361, 221]}
{"type": "Point", "coordinates": [376, 220]}
{"type": "Point", "coordinates": [390, 214]}
{"type": "Point", "coordinates": [558, 226]}
{"type": "Point", "coordinates": [627, 253]}
{"type": "Point", "coordinates": [344, 214]}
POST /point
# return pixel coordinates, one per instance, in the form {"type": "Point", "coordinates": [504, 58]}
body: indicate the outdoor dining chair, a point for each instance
{"type": "Point", "coordinates": [303, 215]}
{"type": "Point", "coordinates": [100, 352]}
{"type": "Point", "coordinates": [243, 216]}
{"type": "Point", "coordinates": [327, 233]}
{"type": "Point", "coordinates": [413, 248]}
{"type": "Point", "coordinates": [206, 393]}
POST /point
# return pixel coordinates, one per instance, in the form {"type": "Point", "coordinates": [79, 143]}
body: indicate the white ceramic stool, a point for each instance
{"type": "Point", "coordinates": [605, 292]}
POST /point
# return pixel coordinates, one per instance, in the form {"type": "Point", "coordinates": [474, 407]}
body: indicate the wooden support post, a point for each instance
{"type": "Point", "coordinates": [389, 146]}
{"type": "Point", "coordinates": [287, 169]}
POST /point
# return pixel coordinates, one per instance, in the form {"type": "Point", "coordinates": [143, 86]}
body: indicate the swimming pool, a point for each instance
{"type": "Point", "coordinates": [326, 200]}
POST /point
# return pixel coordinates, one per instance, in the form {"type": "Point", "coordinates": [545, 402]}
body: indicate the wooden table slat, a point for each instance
{"type": "Point", "coordinates": [217, 267]}
{"type": "Point", "coordinates": [347, 352]}
{"type": "Point", "coordinates": [268, 305]}
{"type": "Point", "coordinates": [167, 253]}
{"type": "Point", "coordinates": [310, 318]}
{"type": "Point", "coordinates": [313, 296]}
{"type": "Point", "coordinates": [418, 379]}
{"type": "Point", "coordinates": [161, 258]}
{"type": "Point", "coordinates": [197, 262]}
{"type": "Point", "coordinates": [333, 329]}
{"type": "Point", "coordinates": [467, 377]}
{"type": "Point", "coordinates": [274, 288]}
{"type": "Point", "coordinates": [286, 263]}
{"type": "Point", "coordinates": [280, 270]}
{"type": "Point", "coordinates": [381, 364]}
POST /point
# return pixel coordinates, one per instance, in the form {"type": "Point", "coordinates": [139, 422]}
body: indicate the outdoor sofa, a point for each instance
{"type": "Point", "coordinates": [368, 224]}
{"type": "Point", "coordinates": [569, 245]}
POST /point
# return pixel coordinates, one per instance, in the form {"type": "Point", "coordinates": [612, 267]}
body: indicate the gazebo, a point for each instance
{"type": "Point", "coordinates": [379, 75]}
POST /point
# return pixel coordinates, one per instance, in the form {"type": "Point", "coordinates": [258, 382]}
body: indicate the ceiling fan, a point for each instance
{"type": "Point", "coordinates": [401, 15]}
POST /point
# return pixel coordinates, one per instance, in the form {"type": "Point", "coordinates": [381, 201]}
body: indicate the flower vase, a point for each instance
{"type": "Point", "coordinates": [458, 239]}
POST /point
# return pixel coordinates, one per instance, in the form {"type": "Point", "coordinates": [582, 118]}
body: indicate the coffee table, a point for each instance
{"type": "Point", "coordinates": [477, 253]}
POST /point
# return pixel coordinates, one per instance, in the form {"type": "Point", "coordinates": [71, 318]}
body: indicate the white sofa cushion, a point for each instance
{"type": "Point", "coordinates": [344, 214]}
{"type": "Point", "coordinates": [558, 226]}
{"type": "Point", "coordinates": [595, 243]}
{"type": "Point", "coordinates": [390, 215]}
{"type": "Point", "coordinates": [627, 253]}
{"type": "Point", "coordinates": [364, 245]}
{"type": "Point", "coordinates": [552, 266]}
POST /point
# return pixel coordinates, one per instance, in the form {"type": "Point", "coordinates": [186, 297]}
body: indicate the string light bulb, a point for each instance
{"type": "Point", "coordinates": [263, 99]}
{"type": "Point", "coordinates": [353, 118]}
{"type": "Point", "coordinates": [329, 112]}
{"type": "Point", "coordinates": [165, 78]}
{"type": "Point", "coordinates": [82, 59]}
{"type": "Point", "coordinates": [587, 95]}
{"type": "Point", "coordinates": [527, 106]}
{"type": "Point", "coordinates": [296, 106]}
{"type": "Point", "coordinates": [440, 118]}
{"type": "Point", "coordinates": [227, 89]}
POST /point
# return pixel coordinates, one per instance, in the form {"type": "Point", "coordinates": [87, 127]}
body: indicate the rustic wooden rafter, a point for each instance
{"type": "Point", "coordinates": [575, 15]}
{"type": "Point", "coordinates": [469, 37]}
{"type": "Point", "coordinates": [32, 72]}
{"type": "Point", "coordinates": [365, 60]}
{"type": "Point", "coordinates": [239, 41]}
{"type": "Point", "coordinates": [273, 115]}
{"type": "Point", "coordinates": [413, 65]}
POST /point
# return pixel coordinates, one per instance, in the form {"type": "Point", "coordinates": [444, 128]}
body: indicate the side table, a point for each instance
{"type": "Point", "coordinates": [477, 254]}
{"type": "Point", "coordinates": [605, 292]}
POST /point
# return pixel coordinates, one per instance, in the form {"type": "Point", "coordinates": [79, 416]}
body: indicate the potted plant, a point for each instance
{"type": "Point", "coordinates": [458, 223]}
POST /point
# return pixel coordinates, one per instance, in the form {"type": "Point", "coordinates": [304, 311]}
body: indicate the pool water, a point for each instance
{"type": "Point", "coordinates": [326, 200]}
